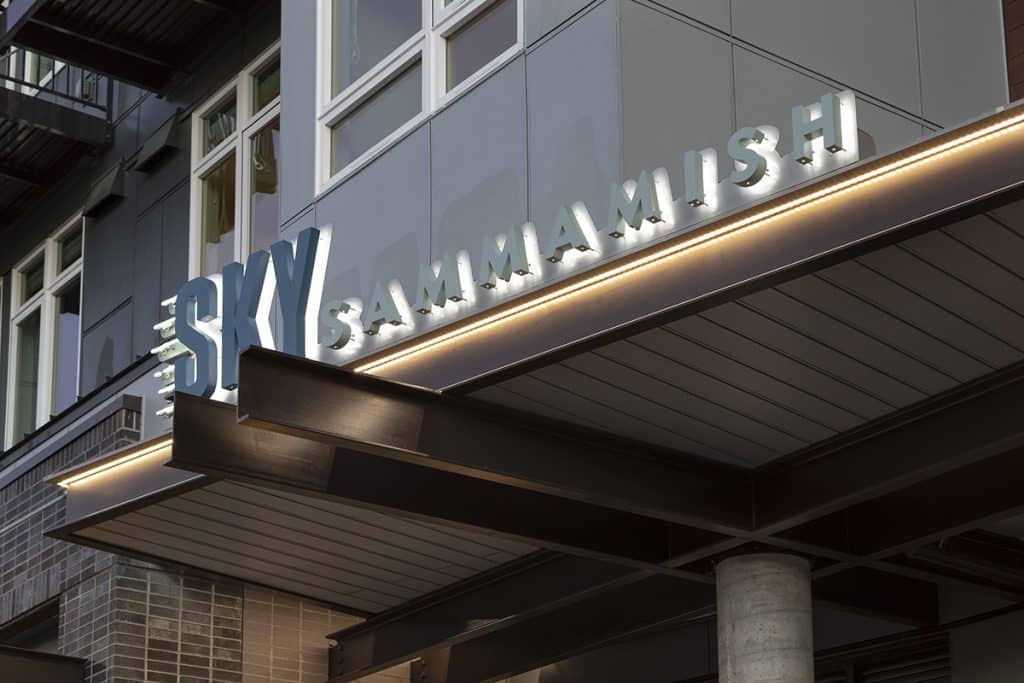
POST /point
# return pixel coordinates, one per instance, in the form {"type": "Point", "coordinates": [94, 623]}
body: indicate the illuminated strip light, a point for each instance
{"type": "Point", "coordinates": [116, 463]}
{"type": "Point", "coordinates": [728, 230]}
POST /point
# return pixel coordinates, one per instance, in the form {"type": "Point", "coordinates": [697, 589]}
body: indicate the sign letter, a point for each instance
{"type": "Point", "coordinates": [197, 300]}
{"type": "Point", "coordinates": [633, 210]}
{"type": "Point", "coordinates": [828, 124]}
{"type": "Point", "coordinates": [499, 264]}
{"type": "Point", "coordinates": [240, 301]}
{"type": "Point", "coordinates": [435, 288]}
{"type": "Point", "coordinates": [566, 234]}
{"type": "Point", "coordinates": [294, 275]}
{"type": "Point", "coordinates": [742, 146]}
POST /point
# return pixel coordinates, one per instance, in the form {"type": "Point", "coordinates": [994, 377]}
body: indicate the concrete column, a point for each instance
{"type": "Point", "coordinates": [764, 620]}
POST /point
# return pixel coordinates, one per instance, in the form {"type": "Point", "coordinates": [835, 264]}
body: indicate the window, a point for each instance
{"type": "Point", "coordinates": [385, 65]}
{"type": "Point", "coordinates": [45, 332]}
{"type": "Point", "coordinates": [235, 148]}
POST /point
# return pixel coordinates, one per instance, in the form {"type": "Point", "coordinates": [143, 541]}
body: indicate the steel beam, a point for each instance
{"type": "Point", "coordinates": [321, 402]}
{"type": "Point", "coordinates": [208, 439]}
{"type": "Point", "coordinates": [966, 426]}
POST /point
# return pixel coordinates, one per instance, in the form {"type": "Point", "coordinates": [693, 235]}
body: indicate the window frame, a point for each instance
{"type": "Point", "coordinates": [428, 46]}
{"type": "Point", "coordinates": [45, 302]}
{"type": "Point", "coordinates": [247, 124]}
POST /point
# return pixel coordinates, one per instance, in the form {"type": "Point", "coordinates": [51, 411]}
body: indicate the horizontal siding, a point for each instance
{"type": "Point", "coordinates": [330, 551]}
{"type": "Point", "coordinates": [786, 367]}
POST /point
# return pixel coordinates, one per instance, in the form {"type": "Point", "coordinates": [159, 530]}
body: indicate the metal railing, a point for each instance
{"type": "Point", "coordinates": [37, 75]}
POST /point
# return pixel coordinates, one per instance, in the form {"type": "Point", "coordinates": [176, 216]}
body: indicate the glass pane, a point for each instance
{"type": "Point", "coordinates": [219, 217]}
{"type": "Point", "coordinates": [27, 377]}
{"type": "Point", "coordinates": [70, 249]}
{"type": "Point", "coordinates": [374, 119]}
{"type": "Point", "coordinates": [32, 279]}
{"type": "Point", "coordinates": [263, 203]}
{"type": "Point", "coordinates": [364, 33]}
{"type": "Point", "coordinates": [219, 124]}
{"type": "Point", "coordinates": [267, 84]}
{"type": "Point", "coordinates": [65, 352]}
{"type": "Point", "coordinates": [482, 39]}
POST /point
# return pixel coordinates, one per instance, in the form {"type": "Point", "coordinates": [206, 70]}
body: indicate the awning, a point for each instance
{"type": "Point", "coordinates": [812, 385]}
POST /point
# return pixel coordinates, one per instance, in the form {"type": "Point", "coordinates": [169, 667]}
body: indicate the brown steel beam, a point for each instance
{"type": "Point", "coordinates": [208, 439]}
{"type": "Point", "coordinates": [321, 402]}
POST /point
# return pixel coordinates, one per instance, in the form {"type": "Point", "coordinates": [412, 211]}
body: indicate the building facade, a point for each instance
{"type": "Point", "coordinates": [528, 340]}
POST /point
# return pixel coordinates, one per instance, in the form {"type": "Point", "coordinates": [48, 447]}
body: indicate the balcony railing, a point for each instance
{"type": "Point", "coordinates": [37, 75]}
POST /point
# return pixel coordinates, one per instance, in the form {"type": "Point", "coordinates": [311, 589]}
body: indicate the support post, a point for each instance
{"type": "Point", "coordinates": [764, 620]}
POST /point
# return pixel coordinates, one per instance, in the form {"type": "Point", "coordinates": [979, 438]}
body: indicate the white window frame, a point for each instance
{"type": "Point", "coordinates": [44, 301]}
{"type": "Point", "coordinates": [428, 46]}
{"type": "Point", "coordinates": [247, 124]}
{"type": "Point", "coordinates": [31, 59]}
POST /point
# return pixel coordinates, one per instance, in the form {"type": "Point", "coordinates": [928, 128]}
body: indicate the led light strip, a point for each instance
{"type": "Point", "coordinates": [112, 464]}
{"type": "Point", "coordinates": [728, 230]}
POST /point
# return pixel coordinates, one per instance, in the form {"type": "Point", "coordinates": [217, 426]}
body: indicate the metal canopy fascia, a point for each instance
{"type": "Point", "coordinates": [420, 429]}
{"type": "Point", "coordinates": [831, 219]}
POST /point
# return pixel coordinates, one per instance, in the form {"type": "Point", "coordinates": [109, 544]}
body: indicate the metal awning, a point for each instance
{"type": "Point", "coordinates": [812, 386]}
{"type": "Point", "coordinates": [134, 41]}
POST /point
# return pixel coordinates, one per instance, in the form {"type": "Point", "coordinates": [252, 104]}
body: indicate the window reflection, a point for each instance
{"type": "Point", "coordinates": [32, 279]}
{"type": "Point", "coordinates": [267, 84]}
{"type": "Point", "coordinates": [365, 32]}
{"type": "Point", "coordinates": [264, 199]}
{"type": "Point", "coordinates": [219, 124]}
{"type": "Point", "coordinates": [373, 120]}
{"type": "Point", "coordinates": [218, 219]}
{"type": "Point", "coordinates": [27, 376]}
{"type": "Point", "coordinates": [482, 39]}
{"type": "Point", "coordinates": [65, 352]}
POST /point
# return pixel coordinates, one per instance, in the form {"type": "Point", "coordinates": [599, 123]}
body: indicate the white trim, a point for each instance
{"type": "Point", "coordinates": [439, 22]}
{"type": "Point", "coordinates": [247, 123]}
{"type": "Point", "coordinates": [44, 302]}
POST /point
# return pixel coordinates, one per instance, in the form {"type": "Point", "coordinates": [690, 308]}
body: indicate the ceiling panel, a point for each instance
{"type": "Point", "coordinates": [786, 367]}
{"type": "Point", "coordinates": [345, 555]}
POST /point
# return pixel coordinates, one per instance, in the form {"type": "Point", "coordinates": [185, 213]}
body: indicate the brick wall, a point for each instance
{"type": "Point", "coordinates": [34, 568]}
{"type": "Point", "coordinates": [284, 639]}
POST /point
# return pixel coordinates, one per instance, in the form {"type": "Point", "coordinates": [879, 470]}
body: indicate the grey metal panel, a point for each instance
{"type": "Point", "coordinates": [1012, 216]}
{"type": "Point", "coordinates": [734, 330]}
{"type": "Point", "coordinates": [298, 97]}
{"type": "Point", "coordinates": [323, 549]}
{"type": "Point", "coordinates": [968, 303]}
{"type": "Point", "coordinates": [370, 244]}
{"type": "Point", "coordinates": [174, 242]}
{"type": "Point", "coordinates": [916, 378]}
{"type": "Point", "coordinates": [454, 547]}
{"type": "Point", "coordinates": [123, 532]}
{"type": "Point", "coordinates": [870, 45]}
{"type": "Point", "coordinates": [970, 267]}
{"type": "Point", "coordinates": [168, 171]}
{"type": "Point", "coordinates": [146, 281]}
{"type": "Point", "coordinates": [245, 544]}
{"type": "Point", "coordinates": [727, 357]}
{"type": "Point", "coordinates": [963, 63]}
{"type": "Point", "coordinates": [917, 310]}
{"type": "Point", "coordinates": [677, 94]}
{"type": "Point", "coordinates": [992, 239]}
{"type": "Point", "coordinates": [106, 349]}
{"type": "Point", "coordinates": [541, 16]}
{"type": "Point", "coordinates": [108, 257]}
{"type": "Point", "coordinates": [710, 388]}
{"type": "Point", "coordinates": [380, 539]}
{"type": "Point", "coordinates": [680, 397]}
{"type": "Point", "coordinates": [885, 327]}
{"type": "Point", "coordinates": [610, 418]}
{"type": "Point", "coordinates": [712, 441]}
{"type": "Point", "coordinates": [573, 108]}
{"type": "Point", "coordinates": [502, 395]}
{"type": "Point", "coordinates": [714, 13]}
{"type": "Point", "coordinates": [478, 178]}
{"type": "Point", "coordinates": [767, 91]}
